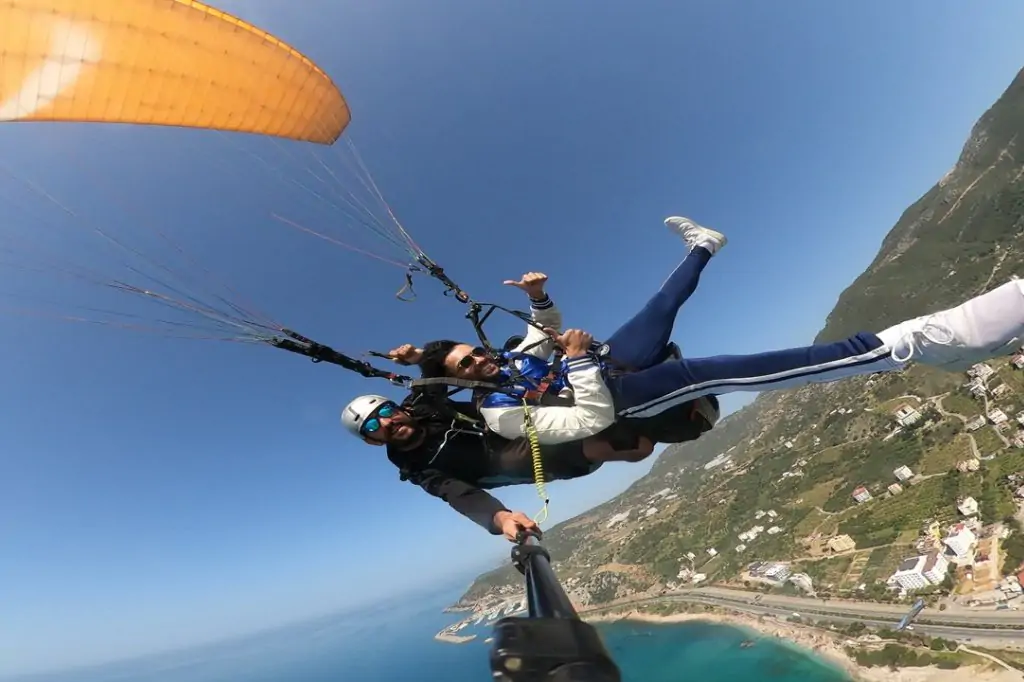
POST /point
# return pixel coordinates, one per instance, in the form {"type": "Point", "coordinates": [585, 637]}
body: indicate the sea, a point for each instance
{"type": "Point", "coordinates": [393, 642]}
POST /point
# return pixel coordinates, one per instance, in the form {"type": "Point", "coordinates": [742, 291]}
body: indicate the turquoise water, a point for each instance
{"type": "Point", "coordinates": [395, 644]}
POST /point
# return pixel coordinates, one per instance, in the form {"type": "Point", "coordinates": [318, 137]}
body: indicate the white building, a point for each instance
{"type": "Point", "coordinates": [998, 416]}
{"type": "Point", "coordinates": [907, 415]}
{"type": "Point", "coordinates": [903, 473]}
{"type": "Point", "coordinates": [712, 552]}
{"type": "Point", "coordinates": [895, 488]}
{"type": "Point", "coordinates": [975, 423]}
{"type": "Point", "coordinates": [977, 388]}
{"type": "Point", "coordinates": [775, 573]}
{"type": "Point", "coordinates": [774, 530]}
{"type": "Point", "coordinates": [921, 571]}
{"type": "Point", "coordinates": [909, 574]}
{"type": "Point", "coordinates": [719, 460]}
{"type": "Point", "coordinates": [968, 506]}
{"type": "Point", "coordinates": [966, 465]}
{"type": "Point", "coordinates": [803, 581]}
{"type": "Point", "coordinates": [980, 371]}
{"type": "Point", "coordinates": [841, 543]}
{"type": "Point", "coordinates": [960, 541]}
{"type": "Point", "coordinates": [779, 572]}
{"type": "Point", "coordinates": [935, 568]}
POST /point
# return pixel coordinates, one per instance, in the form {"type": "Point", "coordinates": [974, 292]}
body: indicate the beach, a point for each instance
{"type": "Point", "coordinates": [828, 645]}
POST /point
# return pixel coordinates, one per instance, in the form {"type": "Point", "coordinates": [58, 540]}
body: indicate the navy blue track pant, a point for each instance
{"type": "Point", "coordinates": [641, 341]}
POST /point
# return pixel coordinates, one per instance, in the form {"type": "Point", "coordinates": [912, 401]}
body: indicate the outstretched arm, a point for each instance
{"type": "Point", "coordinates": [475, 504]}
{"type": "Point", "coordinates": [543, 313]}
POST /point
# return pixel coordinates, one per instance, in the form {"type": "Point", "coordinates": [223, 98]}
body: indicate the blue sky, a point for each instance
{"type": "Point", "coordinates": [158, 492]}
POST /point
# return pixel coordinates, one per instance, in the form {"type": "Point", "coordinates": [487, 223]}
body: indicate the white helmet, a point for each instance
{"type": "Point", "coordinates": [354, 415]}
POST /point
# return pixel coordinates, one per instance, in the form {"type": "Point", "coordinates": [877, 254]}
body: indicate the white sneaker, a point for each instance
{"type": "Point", "coordinates": [696, 235]}
{"type": "Point", "coordinates": [983, 327]}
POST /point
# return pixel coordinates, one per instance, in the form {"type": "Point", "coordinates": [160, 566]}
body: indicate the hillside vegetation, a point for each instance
{"type": "Point", "coordinates": [801, 453]}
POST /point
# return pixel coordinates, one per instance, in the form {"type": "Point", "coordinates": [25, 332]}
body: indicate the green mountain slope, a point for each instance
{"type": "Point", "coordinates": [802, 452]}
{"type": "Point", "coordinates": [959, 239]}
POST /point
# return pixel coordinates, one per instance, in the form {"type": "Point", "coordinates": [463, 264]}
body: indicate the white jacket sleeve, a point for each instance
{"type": "Point", "coordinates": [593, 412]}
{"type": "Point", "coordinates": [544, 313]}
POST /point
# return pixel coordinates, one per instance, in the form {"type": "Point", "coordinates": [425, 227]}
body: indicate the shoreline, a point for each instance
{"type": "Point", "coordinates": [454, 639]}
{"type": "Point", "coordinates": [822, 643]}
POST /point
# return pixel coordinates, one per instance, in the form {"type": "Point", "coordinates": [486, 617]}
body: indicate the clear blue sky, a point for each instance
{"type": "Point", "coordinates": [155, 493]}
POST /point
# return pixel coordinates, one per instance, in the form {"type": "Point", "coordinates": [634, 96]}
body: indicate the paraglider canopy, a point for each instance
{"type": "Point", "coordinates": [160, 62]}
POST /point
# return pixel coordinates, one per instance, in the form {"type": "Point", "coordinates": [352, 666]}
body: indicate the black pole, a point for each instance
{"type": "Point", "coordinates": [545, 597]}
{"type": "Point", "coordinates": [551, 644]}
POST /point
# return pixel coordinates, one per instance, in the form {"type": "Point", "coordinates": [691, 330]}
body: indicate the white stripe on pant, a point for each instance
{"type": "Point", "coordinates": [659, 388]}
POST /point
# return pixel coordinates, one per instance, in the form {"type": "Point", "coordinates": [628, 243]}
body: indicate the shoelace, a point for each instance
{"type": "Point", "coordinates": [910, 337]}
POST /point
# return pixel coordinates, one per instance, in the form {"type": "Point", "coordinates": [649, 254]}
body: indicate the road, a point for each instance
{"type": "Point", "coordinates": [945, 631]}
{"type": "Point", "coordinates": [937, 401]}
{"type": "Point", "coordinates": [954, 615]}
{"type": "Point", "coordinates": [992, 637]}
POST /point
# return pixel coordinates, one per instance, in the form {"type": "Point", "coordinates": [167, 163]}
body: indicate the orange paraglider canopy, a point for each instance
{"type": "Point", "coordinates": [160, 62]}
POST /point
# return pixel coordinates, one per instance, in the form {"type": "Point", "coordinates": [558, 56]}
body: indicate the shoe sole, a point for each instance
{"type": "Point", "coordinates": [714, 235]}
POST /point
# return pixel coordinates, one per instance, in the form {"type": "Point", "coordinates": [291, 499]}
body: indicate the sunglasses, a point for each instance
{"type": "Point", "coordinates": [372, 425]}
{"type": "Point", "coordinates": [467, 360]}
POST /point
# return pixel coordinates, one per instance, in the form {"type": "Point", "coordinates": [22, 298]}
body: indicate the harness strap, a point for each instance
{"type": "Point", "coordinates": [459, 383]}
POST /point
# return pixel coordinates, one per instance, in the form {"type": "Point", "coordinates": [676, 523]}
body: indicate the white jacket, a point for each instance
{"type": "Point", "coordinates": [576, 406]}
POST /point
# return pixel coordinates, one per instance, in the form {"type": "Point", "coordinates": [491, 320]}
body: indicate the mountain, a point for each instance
{"type": "Point", "coordinates": [802, 452]}
{"type": "Point", "coordinates": [956, 241]}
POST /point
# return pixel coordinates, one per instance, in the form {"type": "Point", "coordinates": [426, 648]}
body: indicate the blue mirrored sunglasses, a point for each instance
{"type": "Point", "coordinates": [372, 424]}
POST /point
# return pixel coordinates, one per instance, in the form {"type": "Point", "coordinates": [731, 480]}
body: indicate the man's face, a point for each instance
{"type": "Point", "coordinates": [398, 428]}
{"type": "Point", "coordinates": [466, 362]}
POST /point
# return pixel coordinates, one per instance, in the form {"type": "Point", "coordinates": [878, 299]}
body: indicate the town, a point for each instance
{"type": "Point", "coordinates": [488, 612]}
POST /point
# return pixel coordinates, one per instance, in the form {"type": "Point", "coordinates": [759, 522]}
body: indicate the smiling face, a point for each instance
{"type": "Point", "coordinates": [390, 425]}
{"type": "Point", "coordinates": [466, 362]}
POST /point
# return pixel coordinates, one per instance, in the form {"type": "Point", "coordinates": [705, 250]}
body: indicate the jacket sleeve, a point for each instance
{"type": "Point", "coordinates": [544, 313]}
{"type": "Point", "coordinates": [593, 412]}
{"type": "Point", "coordinates": [475, 504]}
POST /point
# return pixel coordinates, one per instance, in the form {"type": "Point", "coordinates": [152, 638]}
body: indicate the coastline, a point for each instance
{"type": "Point", "coordinates": [824, 644]}
{"type": "Point", "coordinates": [453, 639]}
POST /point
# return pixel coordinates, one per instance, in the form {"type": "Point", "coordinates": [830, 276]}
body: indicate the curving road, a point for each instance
{"type": "Point", "coordinates": [999, 638]}
{"type": "Point", "coordinates": [954, 615]}
{"type": "Point", "coordinates": [945, 631]}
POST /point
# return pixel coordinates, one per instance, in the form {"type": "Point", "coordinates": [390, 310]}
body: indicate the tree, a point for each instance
{"type": "Point", "coordinates": [949, 583]}
{"type": "Point", "coordinates": [856, 628]}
